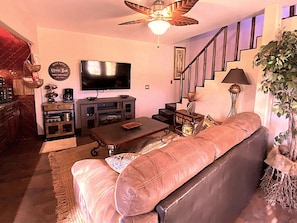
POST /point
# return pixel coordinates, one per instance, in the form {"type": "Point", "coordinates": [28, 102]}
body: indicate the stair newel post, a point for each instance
{"type": "Point", "coordinates": [292, 10]}
{"type": "Point", "coordinates": [189, 78]}
{"type": "Point", "coordinates": [224, 48]}
{"type": "Point", "coordinates": [181, 86]}
{"type": "Point", "coordinates": [213, 64]}
{"type": "Point", "coordinates": [237, 42]}
{"type": "Point", "coordinates": [204, 65]}
{"type": "Point", "coordinates": [196, 72]}
{"type": "Point", "coordinates": [252, 32]}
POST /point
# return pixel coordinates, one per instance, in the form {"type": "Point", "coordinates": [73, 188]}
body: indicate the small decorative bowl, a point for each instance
{"type": "Point", "coordinates": [29, 82]}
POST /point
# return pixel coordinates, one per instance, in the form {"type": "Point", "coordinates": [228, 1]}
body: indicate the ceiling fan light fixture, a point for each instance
{"type": "Point", "coordinates": [158, 5]}
{"type": "Point", "coordinates": [159, 27]}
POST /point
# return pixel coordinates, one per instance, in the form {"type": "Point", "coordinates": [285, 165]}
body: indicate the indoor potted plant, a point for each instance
{"type": "Point", "coordinates": [192, 97]}
{"type": "Point", "coordinates": [279, 62]}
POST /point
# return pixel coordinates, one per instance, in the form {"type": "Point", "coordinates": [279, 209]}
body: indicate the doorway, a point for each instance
{"type": "Point", "coordinates": [13, 52]}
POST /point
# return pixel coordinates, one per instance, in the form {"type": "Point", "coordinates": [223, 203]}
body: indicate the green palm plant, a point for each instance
{"type": "Point", "coordinates": [279, 62]}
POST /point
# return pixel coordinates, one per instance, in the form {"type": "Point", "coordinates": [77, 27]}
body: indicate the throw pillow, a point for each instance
{"type": "Point", "coordinates": [208, 122]}
{"type": "Point", "coordinates": [119, 162]}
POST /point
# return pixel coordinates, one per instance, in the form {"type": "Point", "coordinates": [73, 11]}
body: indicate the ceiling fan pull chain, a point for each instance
{"type": "Point", "coordinates": [158, 46]}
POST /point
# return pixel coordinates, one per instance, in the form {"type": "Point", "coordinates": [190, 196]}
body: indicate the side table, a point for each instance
{"type": "Point", "coordinates": [182, 117]}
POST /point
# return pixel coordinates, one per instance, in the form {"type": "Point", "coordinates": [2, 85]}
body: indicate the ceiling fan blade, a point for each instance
{"type": "Point", "coordinates": [182, 21]}
{"type": "Point", "coordinates": [134, 22]}
{"type": "Point", "coordinates": [180, 7]}
{"type": "Point", "coordinates": [139, 8]}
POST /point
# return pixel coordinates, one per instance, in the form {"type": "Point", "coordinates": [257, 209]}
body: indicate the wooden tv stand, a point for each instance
{"type": "Point", "coordinates": [103, 111]}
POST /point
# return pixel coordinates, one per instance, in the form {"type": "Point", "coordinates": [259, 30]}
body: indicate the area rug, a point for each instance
{"type": "Point", "coordinates": [61, 162]}
{"type": "Point", "coordinates": [59, 144]}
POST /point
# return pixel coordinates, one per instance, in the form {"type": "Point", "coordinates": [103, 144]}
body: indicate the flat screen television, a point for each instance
{"type": "Point", "coordinates": [104, 75]}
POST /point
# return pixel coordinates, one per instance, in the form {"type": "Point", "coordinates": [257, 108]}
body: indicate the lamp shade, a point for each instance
{"type": "Point", "coordinates": [159, 27]}
{"type": "Point", "coordinates": [236, 76]}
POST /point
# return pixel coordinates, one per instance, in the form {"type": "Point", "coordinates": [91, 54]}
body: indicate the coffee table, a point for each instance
{"type": "Point", "coordinates": [112, 136]}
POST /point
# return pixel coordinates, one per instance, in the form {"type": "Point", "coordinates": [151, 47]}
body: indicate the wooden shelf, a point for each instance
{"type": "Point", "coordinates": [103, 111]}
{"type": "Point", "coordinates": [55, 125]}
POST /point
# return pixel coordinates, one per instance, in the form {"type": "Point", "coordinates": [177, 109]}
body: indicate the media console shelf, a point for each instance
{"type": "Point", "coordinates": [103, 111]}
{"type": "Point", "coordinates": [58, 120]}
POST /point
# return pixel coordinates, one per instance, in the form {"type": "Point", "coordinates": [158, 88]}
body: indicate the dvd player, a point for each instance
{"type": "Point", "coordinates": [91, 98]}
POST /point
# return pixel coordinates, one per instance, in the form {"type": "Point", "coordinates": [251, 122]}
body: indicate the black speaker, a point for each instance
{"type": "Point", "coordinates": [68, 95]}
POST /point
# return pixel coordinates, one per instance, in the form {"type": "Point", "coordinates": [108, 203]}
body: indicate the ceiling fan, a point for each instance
{"type": "Point", "coordinates": [160, 16]}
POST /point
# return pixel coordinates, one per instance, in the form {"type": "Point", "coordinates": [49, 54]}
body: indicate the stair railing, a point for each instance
{"type": "Point", "coordinates": [186, 83]}
{"type": "Point", "coordinates": [186, 75]}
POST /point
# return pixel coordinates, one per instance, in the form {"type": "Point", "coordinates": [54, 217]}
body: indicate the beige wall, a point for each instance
{"type": "Point", "coordinates": [214, 98]}
{"type": "Point", "coordinates": [150, 66]}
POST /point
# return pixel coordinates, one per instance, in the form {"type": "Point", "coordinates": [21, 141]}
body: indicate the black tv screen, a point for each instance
{"type": "Point", "coordinates": [104, 75]}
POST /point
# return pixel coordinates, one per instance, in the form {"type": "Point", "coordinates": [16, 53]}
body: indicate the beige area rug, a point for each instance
{"type": "Point", "coordinates": [62, 161]}
{"type": "Point", "coordinates": [59, 144]}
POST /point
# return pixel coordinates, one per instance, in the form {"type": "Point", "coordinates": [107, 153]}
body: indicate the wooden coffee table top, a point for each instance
{"type": "Point", "coordinates": [115, 134]}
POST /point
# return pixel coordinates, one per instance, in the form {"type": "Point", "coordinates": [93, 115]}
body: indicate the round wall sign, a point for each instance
{"type": "Point", "coordinates": [59, 71]}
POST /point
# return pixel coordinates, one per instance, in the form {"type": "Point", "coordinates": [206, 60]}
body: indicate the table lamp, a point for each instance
{"type": "Point", "coordinates": [235, 76]}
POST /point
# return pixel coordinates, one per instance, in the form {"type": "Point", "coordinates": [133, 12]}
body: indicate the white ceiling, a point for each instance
{"type": "Point", "coordinates": [101, 17]}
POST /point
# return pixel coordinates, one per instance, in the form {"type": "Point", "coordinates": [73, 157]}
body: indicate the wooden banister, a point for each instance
{"type": "Point", "coordinates": [187, 82]}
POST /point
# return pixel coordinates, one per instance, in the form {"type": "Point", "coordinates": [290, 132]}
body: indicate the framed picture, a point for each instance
{"type": "Point", "coordinates": [179, 61]}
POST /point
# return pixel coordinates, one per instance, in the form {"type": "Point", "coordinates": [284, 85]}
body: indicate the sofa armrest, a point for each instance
{"type": "Point", "coordinates": [94, 183]}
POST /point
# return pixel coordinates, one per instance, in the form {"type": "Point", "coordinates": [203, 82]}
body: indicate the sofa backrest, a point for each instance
{"type": "Point", "coordinates": [219, 192]}
{"type": "Point", "coordinates": [153, 176]}
{"type": "Point", "coordinates": [231, 132]}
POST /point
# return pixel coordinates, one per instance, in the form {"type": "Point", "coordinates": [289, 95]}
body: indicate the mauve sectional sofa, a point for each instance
{"type": "Point", "coordinates": [206, 178]}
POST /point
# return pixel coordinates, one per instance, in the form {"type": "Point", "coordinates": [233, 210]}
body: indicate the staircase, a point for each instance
{"type": "Point", "coordinates": [166, 114]}
{"type": "Point", "coordinates": [224, 48]}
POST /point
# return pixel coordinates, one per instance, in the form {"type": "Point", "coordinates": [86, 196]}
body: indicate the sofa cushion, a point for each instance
{"type": "Point", "coordinates": [249, 122]}
{"type": "Point", "coordinates": [222, 137]}
{"type": "Point", "coordinates": [208, 121]}
{"type": "Point", "coordinates": [153, 176]}
{"type": "Point", "coordinates": [231, 132]}
{"type": "Point", "coordinates": [119, 162]}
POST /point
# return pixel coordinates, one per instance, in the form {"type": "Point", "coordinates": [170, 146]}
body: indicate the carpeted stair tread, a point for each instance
{"type": "Point", "coordinates": [171, 106]}
{"type": "Point", "coordinates": [161, 118]}
{"type": "Point", "coordinates": [167, 113]}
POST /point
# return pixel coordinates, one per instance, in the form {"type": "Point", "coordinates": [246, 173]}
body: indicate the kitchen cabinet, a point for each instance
{"type": "Point", "coordinates": [9, 124]}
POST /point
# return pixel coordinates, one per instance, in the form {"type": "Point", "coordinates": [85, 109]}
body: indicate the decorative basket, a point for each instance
{"type": "Point", "coordinates": [29, 82]}
{"type": "Point", "coordinates": [32, 67]}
